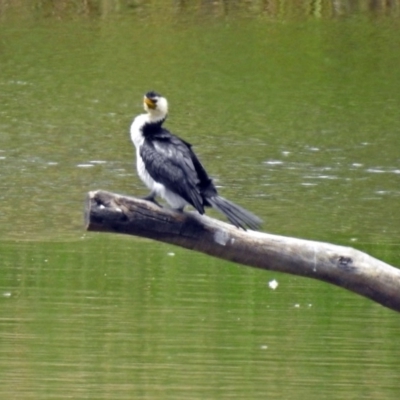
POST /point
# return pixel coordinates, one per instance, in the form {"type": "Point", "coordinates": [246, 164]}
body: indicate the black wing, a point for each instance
{"type": "Point", "coordinates": [169, 160]}
{"type": "Point", "coordinates": [205, 184]}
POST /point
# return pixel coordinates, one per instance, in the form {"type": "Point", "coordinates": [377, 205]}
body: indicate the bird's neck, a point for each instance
{"type": "Point", "coordinates": [152, 125]}
{"type": "Point", "coordinates": [155, 118]}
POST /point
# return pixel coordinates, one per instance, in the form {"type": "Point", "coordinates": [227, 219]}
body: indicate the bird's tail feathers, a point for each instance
{"type": "Point", "coordinates": [237, 215]}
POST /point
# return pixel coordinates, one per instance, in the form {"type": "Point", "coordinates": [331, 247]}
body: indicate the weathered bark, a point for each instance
{"type": "Point", "coordinates": [341, 266]}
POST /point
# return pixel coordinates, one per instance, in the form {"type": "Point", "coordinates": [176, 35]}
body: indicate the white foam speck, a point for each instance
{"type": "Point", "coordinates": [274, 162]}
{"type": "Point", "coordinates": [375, 170]}
{"type": "Point", "coordinates": [85, 165]}
{"type": "Point", "coordinates": [273, 284]}
{"type": "Point", "coordinates": [98, 162]}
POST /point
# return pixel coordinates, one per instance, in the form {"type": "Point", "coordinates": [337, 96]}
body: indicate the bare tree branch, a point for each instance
{"type": "Point", "coordinates": [342, 266]}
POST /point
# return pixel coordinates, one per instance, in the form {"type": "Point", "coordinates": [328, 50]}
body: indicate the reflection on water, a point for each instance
{"type": "Point", "coordinates": [268, 8]}
{"type": "Point", "coordinates": [297, 121]}
{"type": "Point", "coordinates": [92, 320]}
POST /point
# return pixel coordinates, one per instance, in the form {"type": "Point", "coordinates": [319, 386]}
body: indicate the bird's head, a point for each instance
{"type": "Point", "coordinates": [155, 105]}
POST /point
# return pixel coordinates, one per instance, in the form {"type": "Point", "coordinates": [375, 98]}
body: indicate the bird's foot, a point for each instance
{"type": "Point", "coordinates": [152, 198]}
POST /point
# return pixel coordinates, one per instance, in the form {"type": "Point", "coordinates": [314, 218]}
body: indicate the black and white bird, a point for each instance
{"type": "Point", "coordinates": [170, 169]}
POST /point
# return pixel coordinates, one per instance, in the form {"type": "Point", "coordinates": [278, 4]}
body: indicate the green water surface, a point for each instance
{"type": "Point", "coordinates": [294, 110]}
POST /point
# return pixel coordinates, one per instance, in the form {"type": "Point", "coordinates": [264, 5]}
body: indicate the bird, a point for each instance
{"type": "Point", "coordinates": [168, 166]}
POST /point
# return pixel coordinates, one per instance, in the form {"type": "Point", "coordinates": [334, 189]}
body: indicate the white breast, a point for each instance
{"type": "Point", "coordinates": [136, 130]}
{"type": "Point", "coordinates": [138, 140]}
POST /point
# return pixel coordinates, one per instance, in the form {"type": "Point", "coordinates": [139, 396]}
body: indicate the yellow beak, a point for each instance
{"type": "Point", "coordinates": [150, 103]}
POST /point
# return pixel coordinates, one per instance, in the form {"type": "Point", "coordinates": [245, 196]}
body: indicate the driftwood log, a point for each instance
{"type": "Point", "coordinates": [342, 266]}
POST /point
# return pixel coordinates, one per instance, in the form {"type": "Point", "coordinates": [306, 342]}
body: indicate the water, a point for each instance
{"type": "Point", "coordinates": [293, 110]}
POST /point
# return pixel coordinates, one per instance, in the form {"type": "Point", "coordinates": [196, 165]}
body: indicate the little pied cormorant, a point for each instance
{"type": "Point", "coordinates": [170, 169]}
